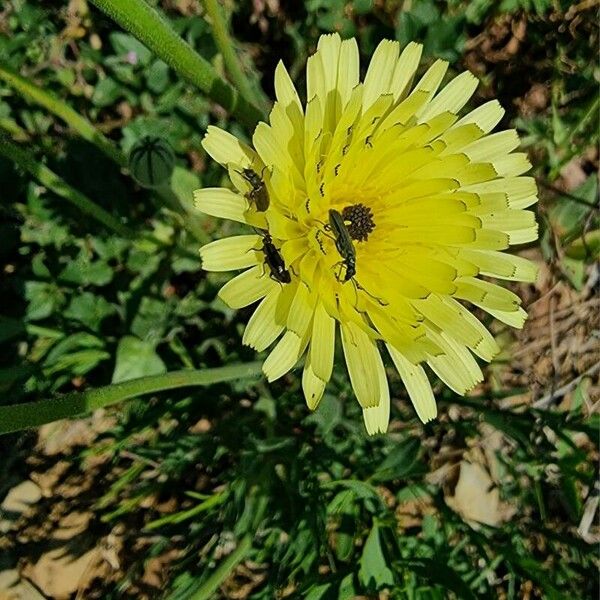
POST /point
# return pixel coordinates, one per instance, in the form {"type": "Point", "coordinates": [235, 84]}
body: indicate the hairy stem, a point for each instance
{"type": "Point", "coordinates": [153, 30]}
{"type": "Point", "coordinates": [34, 414]}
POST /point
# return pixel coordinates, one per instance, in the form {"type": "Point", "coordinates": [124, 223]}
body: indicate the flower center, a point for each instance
{"type": "Point", "coordinates": [361, 221]}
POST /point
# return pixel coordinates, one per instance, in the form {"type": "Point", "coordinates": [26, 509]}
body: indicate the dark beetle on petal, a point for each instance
{"type": "Point", "coordinates": [274, 261]}
{"type": "Point", "coordinates": [258, 194]}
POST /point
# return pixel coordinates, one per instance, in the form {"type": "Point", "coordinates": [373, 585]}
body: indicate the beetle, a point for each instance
{"type": "Point", "coordinates": [274, 260]}
{"type": "Point", "coordinates": [343, 243]}
{"type": "Point", "coordinates": [258, 194]}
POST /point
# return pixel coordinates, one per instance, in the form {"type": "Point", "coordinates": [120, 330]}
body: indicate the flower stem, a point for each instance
{"type": "Point", "coordinates": [225, 45]}
{"type": "Point", "coordinates": [153, 30]}
{"type": "Point", "coordinates": [33, 414]}
{"type": "Point", "coordinates": [60, 187]}
{"type": "Point", "coordinates": [61, 109]}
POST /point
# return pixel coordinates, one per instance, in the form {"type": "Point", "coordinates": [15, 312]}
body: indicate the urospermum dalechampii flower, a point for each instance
{"type": "Point", "coordinates": [425, 202]}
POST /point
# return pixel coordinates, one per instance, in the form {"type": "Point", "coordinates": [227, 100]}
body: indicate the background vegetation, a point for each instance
{"type": "Point", "coordinates": [236, 490]}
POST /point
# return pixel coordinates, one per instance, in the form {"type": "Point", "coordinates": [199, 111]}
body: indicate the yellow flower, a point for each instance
{"type": "Point", "coordinates": [429, 202]}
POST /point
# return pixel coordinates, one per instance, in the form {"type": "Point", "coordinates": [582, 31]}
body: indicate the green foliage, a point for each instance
{"type": "Point", "coordinates": [253, 475]}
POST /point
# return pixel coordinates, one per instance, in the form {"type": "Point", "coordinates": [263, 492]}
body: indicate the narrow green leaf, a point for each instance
{"type": "Point", "coordinates": [51, 180]}
{"type": "Point", "coordinates": [208, 588]}
{"type": "Point", "coordinates": [62, 110]}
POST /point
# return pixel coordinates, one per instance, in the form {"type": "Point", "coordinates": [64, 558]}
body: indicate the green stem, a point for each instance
{"type": "Point", "coordinates": [60, 187]}
{"type": "Point", "coordinates": [153, 30]}
{"type": "Point", "coordinates": [225, 45]}
{"type": "Point", "coordinates": [34, 414]}
{"type": "Point", "coordinates": [88, 132]}
{"type": "Point", "coordinates": [58, 107]}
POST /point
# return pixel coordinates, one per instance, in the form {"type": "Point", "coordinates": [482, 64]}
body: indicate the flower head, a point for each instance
{"type": "Point", "coordinates": [386, 212]}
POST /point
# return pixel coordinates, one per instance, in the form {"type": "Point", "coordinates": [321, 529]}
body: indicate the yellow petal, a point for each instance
{"type": "Point", "coordinates": [405, 70]}
{"type": "Point", "coordinates": [486, 116]}
{"type": "Point", "coordinates": [502, 265]}
{"type": "Point", "coordinates": [417, 385]}
{"type": "Point", "coordinates": [322, 344]}
{"type": "Point", "coordinates": [379, 75]}
{"type": "Point", "coordinates": [272, 147]}
{"type": "Point", "coordinates": [377, 417]}
{"type": "Point", "coordinates": [250, 286]}
{"type": "Point", "coordinates": [453, 97]}
{"type": "Point", "coordinates": [284, 356]}
{"type": "Point", "coordinates": [227, 254]}
{"type": "Point", "coordinates": [221, 202]}
{"type": "Point", "coordinates": [509, 220]}
{"type": "Point", "coordinates": [456, 367]}
{"type": "Point", "coordinates": [263, 327]}
{"type": "Point", "coordinates": [486, 294]}
{"type": "Point", "coordinates": [362, 359]}
{"type": "Point", "coordinates": [492, 146]}
{"type": "Point", "coordinates": [430, 82]}
{"type": "Point", "coordinates": [284, 88]}
{"type": "Point", "coordinates": [348, 71]}
{"type": "Point", "coordinates": [520, 191]}
{"type": "Point", "coordinates": [512, 165]}
{"type": "Point", "coordinates": [523, 236]}
{"type": "Point", "coordinates": [514, 318]}
{"type": "Point", "coordinates": [226, 148]}
{"type": "Point", "coordinates": [448, 315]}
{"type": "Point", "coordinates": [312, 385]}
{"type": "Point", "coordinates": [301, 311]}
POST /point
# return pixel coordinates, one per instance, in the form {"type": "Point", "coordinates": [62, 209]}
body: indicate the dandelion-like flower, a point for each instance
{"type": "Point", "coordinates": [377, 211]}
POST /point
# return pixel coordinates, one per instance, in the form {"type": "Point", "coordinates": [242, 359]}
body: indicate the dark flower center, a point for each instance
{"type": "Point", "coordinates": [361, 221]}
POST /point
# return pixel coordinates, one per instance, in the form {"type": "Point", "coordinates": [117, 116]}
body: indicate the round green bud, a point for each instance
{"type": "Point", "coordinates": [151, 161]}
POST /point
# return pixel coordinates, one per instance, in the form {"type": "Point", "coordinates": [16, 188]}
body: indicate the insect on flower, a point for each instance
{"type": "Point", "coordinates": [343, 243]}
{"type": "Point", "coordinates": [419, 204]}
{"type": "Point", "coordinates": [274, 261]}
{"type": "Point", "coordinates": [258, 192]}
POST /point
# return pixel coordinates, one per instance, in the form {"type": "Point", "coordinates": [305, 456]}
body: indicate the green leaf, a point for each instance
{"type": "Point", "coordinates": [151, 319]}
{"type": "Point", "coordinates": [400, 462]}
{"type": "Point", "coordinates": [567, 215]}
{"type": "Point", "coordinates": [106, 92]}
{"type": "Point", "coordinates": [136, 358]}
{"type": "Point", "coordinates": [84, 271]}
{"type": "Point", "coordinates": [361, 489]}
{"type": "Point", "coordinates": [43, 299]}
{"type": "Point", "coordinates": [347, 591]}
{"type": "Point", "coordinates": [157, 76]}
{"type": "Point", "coordinates": [184, 183]}
{"type": "Point", "coordinates": [89, 309]}
{"type": "Point", "coordinates": [437, 571]}
{"type": "Point", "coordinates": [9, 328]}
{"type": "Point", "coordinates": [318, 592]}
{"type": "Point", "coordinates": [374, 572]}
{"type": "Point", "coordinates": [125, 44]}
